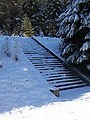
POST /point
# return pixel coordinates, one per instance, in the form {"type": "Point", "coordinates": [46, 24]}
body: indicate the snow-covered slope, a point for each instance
{"type": "Point", "coordinates": [24, 93]}
{"type": "Point", "coordinates": [21, 84]}
{"type": "Point", "coordinates": [50, 42]}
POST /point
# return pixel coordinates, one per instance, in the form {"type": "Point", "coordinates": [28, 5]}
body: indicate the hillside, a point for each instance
{"type": "Point", "coordinates": [24, 92]}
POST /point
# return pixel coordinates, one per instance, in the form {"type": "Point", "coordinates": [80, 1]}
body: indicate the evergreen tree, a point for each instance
{"type": "Point", "coordinates": [53, 10]}
{"type": "Point", "coordinates": [74, 28]}
{"type": "Point", "coordinates": [10, 12]}
{"type": "Point", "coordinates": [35, 11]}
{"type": "Point", "coordinates": [38, 19]}
{"type": "Point", "coordinates": [43, 14]}
{"type": "Point", "coordinates": [28, 30]}
{"type": "Point", "coordinates": [29, 7]}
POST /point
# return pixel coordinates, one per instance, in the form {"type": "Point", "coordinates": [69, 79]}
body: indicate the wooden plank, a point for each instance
{"type": "Point", "coordinates": [57, 72]}
{"type": "Point", "coordinates": [31, 53]}
{"type": "Point", "coordinates": [46, 57]}
{"type": "Point", "coordinates": [69, 84]}
{"type": "Point", "coordinates": [64, 80]}
{"type": "Point", "coordinates": [50, 61]}
{"type": "Point", "coordinates": [52, 71]}
{"type": "Point", "coordinates": [55, 91]}
{"type": "Point", "coordinates": [72, 87]}
{"type": "Point", "coordinates": [34, 59]}
{"type": "Point", "coordinates": [49, 64]}
{"type": "Point", "coordinates": [49, 69]}
{"type": "Point", "coordinates": [59, 78]}
{"type": "Point", "coordinates": [58, 75]}
{"type": "Point", "coordinates": [39, 56]}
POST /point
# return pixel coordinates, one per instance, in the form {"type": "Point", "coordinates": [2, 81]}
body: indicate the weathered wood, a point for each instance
{"type": "Point", "coordinates": [55, 91]}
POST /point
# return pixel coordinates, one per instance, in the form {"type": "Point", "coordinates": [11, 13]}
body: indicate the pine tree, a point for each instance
{"type": "Point", "coordinates": [53, 11]}
{"type": "Point", "coordinates": [35, 11]}
{"type": "Point", "coordinates": [10, 12]}
{"type": "Point", "coordinates": [30, 7]}
{"type": "Point", "coordinates": [74, 28]}
{"type": "Point", "coordinates": [38, 19]}
{"type": "Point", "coordinates": [28, 30]}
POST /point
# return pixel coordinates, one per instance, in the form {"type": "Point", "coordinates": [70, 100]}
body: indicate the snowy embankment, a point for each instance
{"type": "Point", "coordinates": [24, 93]}
{"type": "Point", "coordinates": [50, 42]}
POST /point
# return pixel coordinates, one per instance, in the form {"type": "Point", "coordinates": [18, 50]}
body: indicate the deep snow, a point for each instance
{"type": "Point", "coordinates": [25, 95]}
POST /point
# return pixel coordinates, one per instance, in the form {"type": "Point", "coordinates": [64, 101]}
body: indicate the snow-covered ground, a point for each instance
{"type": "Point", "coordinates": [50, 42]}
{"type": "Point", "coordinates": [71, 110]}
{"type": "Point", "coordinates": [25, 95]}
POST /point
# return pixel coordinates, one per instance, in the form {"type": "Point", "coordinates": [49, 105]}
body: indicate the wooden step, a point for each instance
{"type": "Point", "coordinates": [57, 72]}
{"type": "Point", "coordinates": [38, 56]}
{"type": "Point", "coordinates": [45, 61]}
{"type": "Point", "coordinates": [53, 71]}
{"type": "Point", "coordinates": [65, 80]}
{"type": "Point", "coordinates": [60, 78]}
{"type": "Point", "coordinates": [34, 59]}
{"type": "Point", "coordinates": [71, 87]}
{"type": "Point", "coordinates": [30, 53]}
{"type": "Point", "coordinates": [46, 66]}
{"type": "Point", "coordinates": [58, 75]}
{"type": "Point", "coordinates": [54, 61]}
{"type": "Point", "coordinates": [69, 84]}
{"type": "Point", "coordinates": [49, 64]}
{"type": "Point", "coordinates": [51, 68]}
{"type": "Point", "coordinates": [41, 57]}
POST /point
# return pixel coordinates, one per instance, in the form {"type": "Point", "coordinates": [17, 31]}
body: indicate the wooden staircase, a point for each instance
{"type": "Point", "coordinates": [54, 71]}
